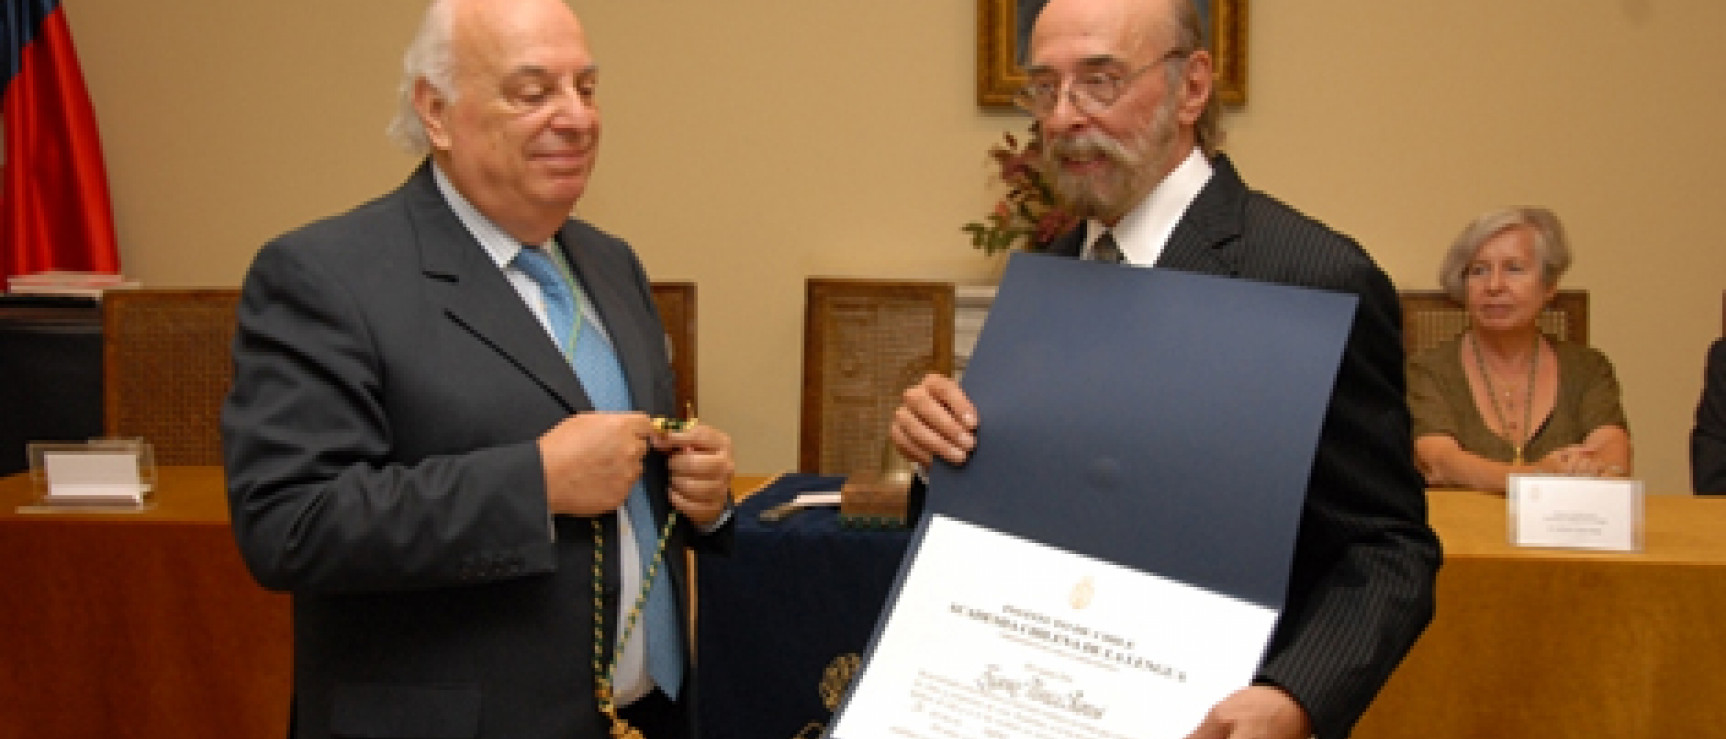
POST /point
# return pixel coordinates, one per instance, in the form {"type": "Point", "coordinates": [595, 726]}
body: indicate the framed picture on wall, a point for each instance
{"type": "Point", "coordinates": [1004, 31]}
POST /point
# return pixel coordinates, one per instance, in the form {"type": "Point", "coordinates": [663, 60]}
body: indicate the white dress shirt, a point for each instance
{"type": "Point", "coordinates": [1144, 230]}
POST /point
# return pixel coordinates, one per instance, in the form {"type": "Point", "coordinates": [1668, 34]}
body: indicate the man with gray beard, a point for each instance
{"type": "Point", "coordinates": [1122, 93]}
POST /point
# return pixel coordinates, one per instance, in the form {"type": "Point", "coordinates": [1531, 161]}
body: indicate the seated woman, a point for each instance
{"type": "Point", "coordinates": [1502, 397]}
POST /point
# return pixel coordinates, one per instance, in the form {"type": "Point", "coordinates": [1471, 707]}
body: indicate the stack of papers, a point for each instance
{"type": "Point", "coordinates": [74, 284]}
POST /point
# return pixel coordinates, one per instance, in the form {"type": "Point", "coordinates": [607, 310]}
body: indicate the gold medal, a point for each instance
{"type": "Point", "coordinates": [620, 729]}
{"type": "Point", "coordinates": [673, 425]}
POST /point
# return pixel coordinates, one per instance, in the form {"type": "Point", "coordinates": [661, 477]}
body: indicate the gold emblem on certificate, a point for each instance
{"type": "Point", "coordinates": [836, 679]}
{"type": "Point", "coordinates": [1083, 593]}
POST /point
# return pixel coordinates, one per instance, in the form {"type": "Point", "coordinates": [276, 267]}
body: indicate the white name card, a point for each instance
{"type": "Point", "coordinates": [94, 476]}
{"type": "Point", "coordinates": [1575, 512]}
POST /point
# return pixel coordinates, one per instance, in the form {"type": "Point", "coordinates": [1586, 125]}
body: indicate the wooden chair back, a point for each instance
{"type": "Point", "coordinates": [1430, 318]}
{"type": "Point", "coordinates": [167, 364]}
{"type": "Point", "coordinates": [676, 301]}
{"type": "Point", "coordinates": [864, 342]}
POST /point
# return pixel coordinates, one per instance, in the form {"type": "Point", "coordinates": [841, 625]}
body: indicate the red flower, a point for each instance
{"type": "Point", "coordinates": [1029, 211]}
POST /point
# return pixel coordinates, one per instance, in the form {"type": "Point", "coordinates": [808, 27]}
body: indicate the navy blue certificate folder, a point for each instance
{"type": "Point", "coordinates": [1161, 420]}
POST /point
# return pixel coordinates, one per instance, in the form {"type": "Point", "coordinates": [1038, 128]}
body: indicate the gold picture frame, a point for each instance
{"type": "Point", "coordinates": [999, 35]}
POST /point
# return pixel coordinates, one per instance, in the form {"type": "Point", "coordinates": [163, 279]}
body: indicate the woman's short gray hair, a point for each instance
{"type": "Point", "coordinates": [429, 57]}
{"type": "Point", "coordinates": [1551, 248]}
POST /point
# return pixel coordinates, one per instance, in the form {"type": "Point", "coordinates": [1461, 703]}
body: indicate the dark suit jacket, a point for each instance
{"type": "Point", "coordinates": [380, 443]}
{"type": "Point", "coordinates": [1361, 588]}
{"type": "Point", "coordinates": [1708, 438]}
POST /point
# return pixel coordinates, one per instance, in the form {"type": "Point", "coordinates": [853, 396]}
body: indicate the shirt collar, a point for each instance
{"type": "Point", "coordinates": [500, 246]}
{"type": "Point", "coordinates": [1144, 230]}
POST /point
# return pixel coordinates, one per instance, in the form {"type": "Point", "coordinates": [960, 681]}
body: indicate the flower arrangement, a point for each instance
{"type": "Point", "coordinates": [1029, 212]}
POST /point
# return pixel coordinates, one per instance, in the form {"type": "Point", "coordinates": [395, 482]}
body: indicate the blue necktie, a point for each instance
{"type": "Point", "coordinates": [602, 377]}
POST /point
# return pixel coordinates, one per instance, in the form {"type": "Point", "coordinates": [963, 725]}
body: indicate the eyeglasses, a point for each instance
{"type": "Point", "coordinates": [1091, 92]}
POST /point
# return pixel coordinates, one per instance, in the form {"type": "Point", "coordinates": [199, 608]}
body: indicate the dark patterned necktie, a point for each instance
{"type": "Point", "coordinates": [1106, 250]}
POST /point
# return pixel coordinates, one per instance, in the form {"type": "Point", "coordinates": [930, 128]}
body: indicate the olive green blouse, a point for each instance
{"type": "Point", "coordinates": [1441, 403]}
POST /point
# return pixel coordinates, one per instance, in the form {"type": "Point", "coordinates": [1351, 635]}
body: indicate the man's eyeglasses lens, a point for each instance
{"type": "Point", "coordinates": [1091, 92]}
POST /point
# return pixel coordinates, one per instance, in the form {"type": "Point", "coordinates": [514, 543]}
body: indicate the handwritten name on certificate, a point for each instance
{"type": "Point", "coordinates": [997, 637]}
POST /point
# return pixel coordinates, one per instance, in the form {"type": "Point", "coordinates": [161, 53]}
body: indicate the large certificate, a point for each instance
{"type": "Point", "coordinates": [1032, 641]}
{"type": "Point", "coordinates": [1113, 557]}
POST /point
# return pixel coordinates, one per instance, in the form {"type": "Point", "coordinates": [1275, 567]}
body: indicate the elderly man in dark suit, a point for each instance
{"type": "Point", "coordinates": [440, 436]}
{"type": "Point", "coordinates": [1122, 93]}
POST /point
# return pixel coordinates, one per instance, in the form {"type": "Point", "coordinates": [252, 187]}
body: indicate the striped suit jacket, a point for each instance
{"type": "Point", "coordinates": [1365, 561]}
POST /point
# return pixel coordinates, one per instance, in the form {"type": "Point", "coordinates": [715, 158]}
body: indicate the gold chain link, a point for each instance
{"type": "Point", "coordinates": [604, 672]}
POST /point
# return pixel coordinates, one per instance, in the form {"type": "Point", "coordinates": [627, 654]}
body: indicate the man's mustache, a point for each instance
{"type": "Point", "coordinates": [1088, 146]}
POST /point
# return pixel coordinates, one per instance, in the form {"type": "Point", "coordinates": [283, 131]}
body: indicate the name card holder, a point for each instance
{"type": "Point", "coordinates": [115, 474]}
{"type": "Point", "coordinates": [1563, 512]}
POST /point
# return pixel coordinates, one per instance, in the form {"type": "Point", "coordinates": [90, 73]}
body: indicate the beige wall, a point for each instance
{"type": "Point", "coordinates": [751, 143]}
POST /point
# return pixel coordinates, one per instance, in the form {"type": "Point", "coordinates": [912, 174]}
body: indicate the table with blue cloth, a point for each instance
{"type": "Point", "coordinates": [784, 619]}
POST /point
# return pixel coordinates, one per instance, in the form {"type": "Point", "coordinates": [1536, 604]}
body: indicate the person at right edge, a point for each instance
{"type": "Point", "coordinates": [1122, 93]}
{"type": "Point", "coordinates": [1708, 436]}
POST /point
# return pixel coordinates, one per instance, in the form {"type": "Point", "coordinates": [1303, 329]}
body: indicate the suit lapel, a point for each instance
{"type": "Point", "coordinates": [1208, 237]}
{"type": "Point", "coordinates": [474, 293]}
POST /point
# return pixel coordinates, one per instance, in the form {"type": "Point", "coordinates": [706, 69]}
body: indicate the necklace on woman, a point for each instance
{"type": "Point", "coordinates": [1526, 431]}
{"type": "Point", "coordinates": [603, 671]}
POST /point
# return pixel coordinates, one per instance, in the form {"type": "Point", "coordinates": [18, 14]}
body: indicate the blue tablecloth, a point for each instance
{"type": "Point", "coordinates": [792, 600]}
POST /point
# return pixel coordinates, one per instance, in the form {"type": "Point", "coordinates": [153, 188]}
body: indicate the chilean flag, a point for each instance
{"type": "Point", "coordinates": [54, 208]}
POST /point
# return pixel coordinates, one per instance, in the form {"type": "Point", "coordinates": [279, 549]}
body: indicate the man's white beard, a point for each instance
{"type": "Point", "coordinates": [1131, 171]}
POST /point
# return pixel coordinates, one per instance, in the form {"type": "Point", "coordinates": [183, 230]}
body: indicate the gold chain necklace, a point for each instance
{"type": "Point", "coordinates": [603, 672]}
{"type": "Point", "coordinates": [1492, 395]}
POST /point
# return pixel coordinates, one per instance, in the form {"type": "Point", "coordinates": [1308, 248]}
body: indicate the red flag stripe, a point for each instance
{"type": "Point", "coordinates": [55, 211]}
